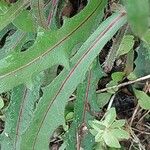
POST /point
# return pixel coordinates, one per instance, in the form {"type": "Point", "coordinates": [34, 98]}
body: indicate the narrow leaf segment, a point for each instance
{"type": "Point", "coordinates": [57, 93]}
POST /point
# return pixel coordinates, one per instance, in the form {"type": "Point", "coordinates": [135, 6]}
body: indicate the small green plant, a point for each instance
{"type": "Point", "coordinates": [109, 131]}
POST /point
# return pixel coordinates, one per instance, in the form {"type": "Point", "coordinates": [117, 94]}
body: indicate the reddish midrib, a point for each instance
{"type": "Point", "coordinates": [54, 2]}
{"type": "Point", "coordinates": [57, 44]}
{"type": "Point", "coordinates": [40, 15]}
{"type": "Point", "coordinates": [20, 116]}
{"type": "Point", "coordinates": [71, 72]}
{"type": "Point", "coordinates": [51, 13]}
{"type": "Point", "coordinates": [84, 110]}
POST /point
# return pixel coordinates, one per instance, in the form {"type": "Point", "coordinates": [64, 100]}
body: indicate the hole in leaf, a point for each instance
{"type": "Point", "coordinates": [72, 8]}
{"type": "Point", "coordinates": [27, 45]}
{"type": "Point", "coordinates": [56, 139]}
{"type": "Point", "coordinates": [4, 38]}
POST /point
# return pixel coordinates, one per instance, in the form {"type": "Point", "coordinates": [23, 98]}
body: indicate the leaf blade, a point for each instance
{"type": "Point", "coordinates": [64, 85]}
{"type": "Point", "coordinates": [10, 15]}
{"type": "Point", "coordinates": [16, 68]}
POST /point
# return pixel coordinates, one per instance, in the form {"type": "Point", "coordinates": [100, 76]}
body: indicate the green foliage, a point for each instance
{"type": "Point", "coordinates": [19, 113]}
{"type": "Point", "coordinates": [143, 99]}
{"type": "Point", "coordinates": [86, 95]}
{"type": "Point", "coordinates": [138, 15]}
{"type": "Point", "coordinates": [103, 99]}
{"type": "Point", "coordinates": [38, 12]}
{"type": "Point", "coordinates": [126, 45]}
{"type": "Point", "coordinates": [142, 61]}
{"type": "Point", "coordinates": [65, 84]}
{"type": "Point", "coordinates": [49, 52]}
{"type": "Point", "coordinates": [47, 59]}
{"type": "Point", "coordinates": [116, 77]}
{"type": "Point", "coordinates": [109, 130]}
{"type": "Point", "coordinates": [9, 14]}
{"type": "Point", "coordinates": [1, 103]}
{"type": "Point", "coordinates": [24, 21]}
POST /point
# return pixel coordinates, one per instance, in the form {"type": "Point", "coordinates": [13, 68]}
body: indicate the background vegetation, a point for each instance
{"type": "Point", "coordinates": [74, 74]}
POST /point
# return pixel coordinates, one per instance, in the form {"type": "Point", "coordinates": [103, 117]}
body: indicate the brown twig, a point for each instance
{"type": "Point", "coordinates": [124, 84]}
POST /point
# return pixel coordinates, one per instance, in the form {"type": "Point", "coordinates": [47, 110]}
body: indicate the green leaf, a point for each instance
{"type": "Point", "coordinates": [97, 125]}
{"type": "Point", "coordinates": [111, 140]}
{"type": "Point", "coordinates": [69, 116]}
{"type": "Point", "coordinates": [24, 21]}
{"type": "Point", "coordinates": [112, 54]}
{"type": "Point", "coordinates": [86, 94]}
{"type": "Point", "coordinates": [103, 99]}
{"type": "Point", "coordinates": [80, 118]}
{"type": "Point", "coordinates": [6, 30]}
{"type": "Point", "coordinates": [3, 7]}
{"type": "Point", "coordinates": [142, 61]}
{"type": "Point", "coordinates": [10, 15]}
{"type": "Point", "coordinates": [99, 136]}
{"type": "Point", "coordinates": [38, 12]}
{"type": "Point", "coordinates": [57, 93]}
{"type": "Point", "coordinates": [146, 38]}
{"type": "Point", "coordinates": [118, 124]}
{"type": "Point", "coordinates": [1, 103]}
{"type": "Point", "coordinates": [110, 84]}
{"type": "Point", "coordinates": [132, 76]}
{"type": "Point", "coordinates": [138, 15]}
{"type": "Point", "coordinates": [110, 117]}
{"type": "Point", "coordinates": [19, 114]}
{"type": "Point", "coordinates": [100, 146]}
{"type": "Point", "coordinates": [49, 49]}
{"type": "Point", "coordinates": [93, 132]}
{"type": "Point", "coordinates": [143, 99]}
{"type": "Point", "coordinates": [117, 76]}
{"type": "Point", "coordinates": [96, 74]}
{"type": "Point", "coordinates": [126, 45]}
{"type": "Point", "coordinates": [120, 134]}
{"type": "Point", "coordinates": [53, 12]}
{"type": "Point", "coordinates": [12, 44]}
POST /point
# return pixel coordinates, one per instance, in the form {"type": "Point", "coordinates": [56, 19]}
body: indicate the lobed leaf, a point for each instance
{"type": "Point", "coordinates": [138, 15]}
{"type": "Point", "coordinates": [19, 114]}
{"type": "Point", "coordinates": [49, 49]}
{"type": "Point", "coordinates": [57, 93]}
{"type": "Point", "coordinates": [110, 117]}
{"type": "Point", "coordinates": [86, 95]}
{"type": "Point", "coordinates": [118, 124]}
{"type": "Point", "coordinates": [10, 14]}
{"type": "Point", "coordinates": [52, 10]}
{"type": "Point", "coordinates": [12, 43]}
{"type": "Point", "coordinates": [6, 30]}
{"type": "Point", "coordinates": [38, 12]}
{"type": "Point", "coordinates": [24, 21]}
{"type": "Point", "coordinates": [74, 138]}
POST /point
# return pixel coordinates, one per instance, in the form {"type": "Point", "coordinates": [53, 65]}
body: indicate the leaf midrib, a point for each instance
{"type": "Point", "coordinates": [43, 22]}
{"type": "Point", "coordinates": [53, 47]}
{"type": "Point", "coordinates": [21, 110]}
{"type": "Point", "coordinates": [86, 97]}
{"type": "Point", "coordinates": [73, 69]}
